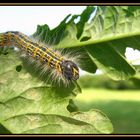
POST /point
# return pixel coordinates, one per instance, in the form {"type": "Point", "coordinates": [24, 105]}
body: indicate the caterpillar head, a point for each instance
{"type": "Point", "coordinates": [70, 70]}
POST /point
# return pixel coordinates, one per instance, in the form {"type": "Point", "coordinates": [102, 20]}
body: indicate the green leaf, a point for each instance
{"type": "Point", "coordinates": [84, 17]}
{"type": "Point", "coordinates": [54, 36]}
{"type": "Point", "coordinates": [29, 106]}
{"type": "Point", "coordinates": [111, 62]}
{"type": "Point", "coordinates": [117, 26]}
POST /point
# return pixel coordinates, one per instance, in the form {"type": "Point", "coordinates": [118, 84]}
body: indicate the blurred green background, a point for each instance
{"type": "Point", "coordinates": [119, 100]}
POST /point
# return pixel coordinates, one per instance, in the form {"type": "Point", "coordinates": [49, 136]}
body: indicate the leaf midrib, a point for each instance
{"type": "Point", "coordinates": [104, 39]}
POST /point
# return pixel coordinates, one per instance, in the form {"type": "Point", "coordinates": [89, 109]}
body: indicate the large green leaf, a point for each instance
{"type": "Point", "coordinates": [105, 36]}
{"type": "Point", "coordinates": [28, 105]}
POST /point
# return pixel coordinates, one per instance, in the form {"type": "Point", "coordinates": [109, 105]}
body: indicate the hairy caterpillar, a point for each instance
{"type": "Point", "coordinates": [49, 59]}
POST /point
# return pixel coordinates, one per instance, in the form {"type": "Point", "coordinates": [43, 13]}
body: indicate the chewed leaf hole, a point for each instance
{"type": "Point", "coordinates": [85, 38]}
{"type": "Point", "coordinates": [18, 68]}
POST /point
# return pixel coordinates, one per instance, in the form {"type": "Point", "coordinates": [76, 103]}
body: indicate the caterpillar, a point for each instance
{"type": "Point", "coordinates": [66, 69]}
